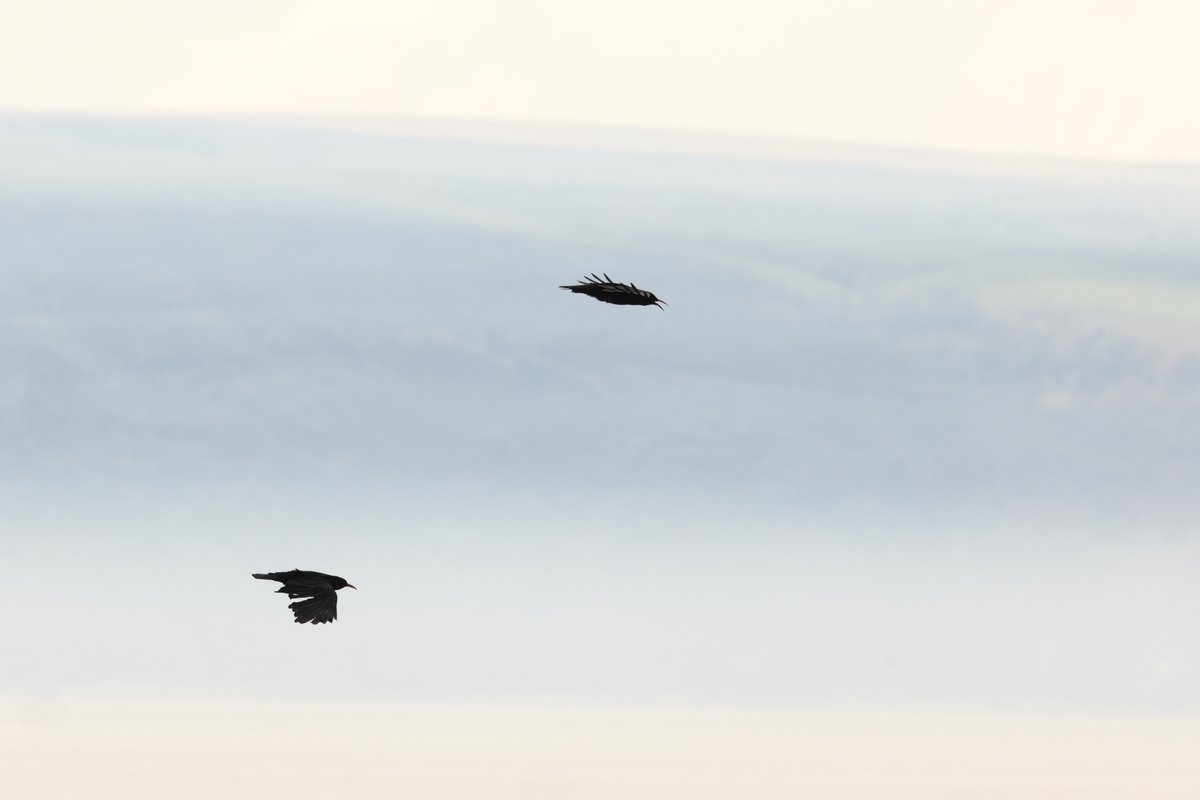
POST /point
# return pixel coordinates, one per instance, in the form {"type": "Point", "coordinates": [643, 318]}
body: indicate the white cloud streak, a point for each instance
{"type": "Point", "coordinates": [1070, 78]}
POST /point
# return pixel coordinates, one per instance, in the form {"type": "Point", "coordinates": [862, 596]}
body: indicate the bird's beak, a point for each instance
{"type": "Point", "coordinates": [352, 586]}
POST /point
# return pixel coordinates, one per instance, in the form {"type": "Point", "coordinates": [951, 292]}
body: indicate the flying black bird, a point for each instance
{"type": "Point", "coordinates": [319, 588]}
{"type": "Point", "coordinates": [609, 291]}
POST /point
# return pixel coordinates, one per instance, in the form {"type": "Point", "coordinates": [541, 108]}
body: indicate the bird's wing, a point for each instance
{"type": "Point", "coordinates": [299, 583]}
{"type": "Point", "coordinates": [591, 283]}
{"type": "Point", "coordinates": [317, 609]}
{"type": "Point", "coordinates": [596, 290]}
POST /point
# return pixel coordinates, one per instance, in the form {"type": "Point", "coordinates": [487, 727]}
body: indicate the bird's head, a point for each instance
{"type": "Point", "coordinates": [341, 583]}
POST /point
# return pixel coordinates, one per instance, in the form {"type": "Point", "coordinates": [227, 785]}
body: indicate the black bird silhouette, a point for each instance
{"type": "Point", "coordinates": [319, 588]}
{"type": "Point", "coordinates": [609, 291]}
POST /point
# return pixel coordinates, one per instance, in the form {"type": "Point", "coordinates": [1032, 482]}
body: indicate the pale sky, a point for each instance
{"type": "Point", "coordinates": [233, 751]}
{"type": "Point", "coordinates": [903, 439]}
{"type": "Point", "coordinates": [908, 441]}
{"type": "Point", "coordinates": [1076, 78]}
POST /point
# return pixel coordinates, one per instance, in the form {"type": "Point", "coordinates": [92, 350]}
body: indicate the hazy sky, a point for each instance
{"type": "Point", "coordinates": [917, 433]}
{"type": "Point", "coordinates": [905, 438]}
{"type": "Point", "coordinates": [1093, 78]}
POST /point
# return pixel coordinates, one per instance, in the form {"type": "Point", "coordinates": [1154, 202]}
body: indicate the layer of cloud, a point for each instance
{"type": "Point", "coordinates": [904, 436]}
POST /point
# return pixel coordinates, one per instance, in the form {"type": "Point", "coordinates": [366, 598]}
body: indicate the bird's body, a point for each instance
{"type": "Point", "coordinates": [609, 291]}
{"type": "Point", "coordinates": [319, 588]}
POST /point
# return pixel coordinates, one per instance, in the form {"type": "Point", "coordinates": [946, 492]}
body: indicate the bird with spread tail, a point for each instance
{"type": "Point", "coordinates": [609, 291]}
{"type": "Point", "coordinates": [319, 589]}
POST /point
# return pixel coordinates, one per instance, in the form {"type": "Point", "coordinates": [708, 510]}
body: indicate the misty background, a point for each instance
{"type": "Point", "coordinates": [915, 432]}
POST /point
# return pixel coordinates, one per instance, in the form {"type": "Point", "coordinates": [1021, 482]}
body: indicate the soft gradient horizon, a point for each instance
{"type": "Point", "coordinates": [135, 750]}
